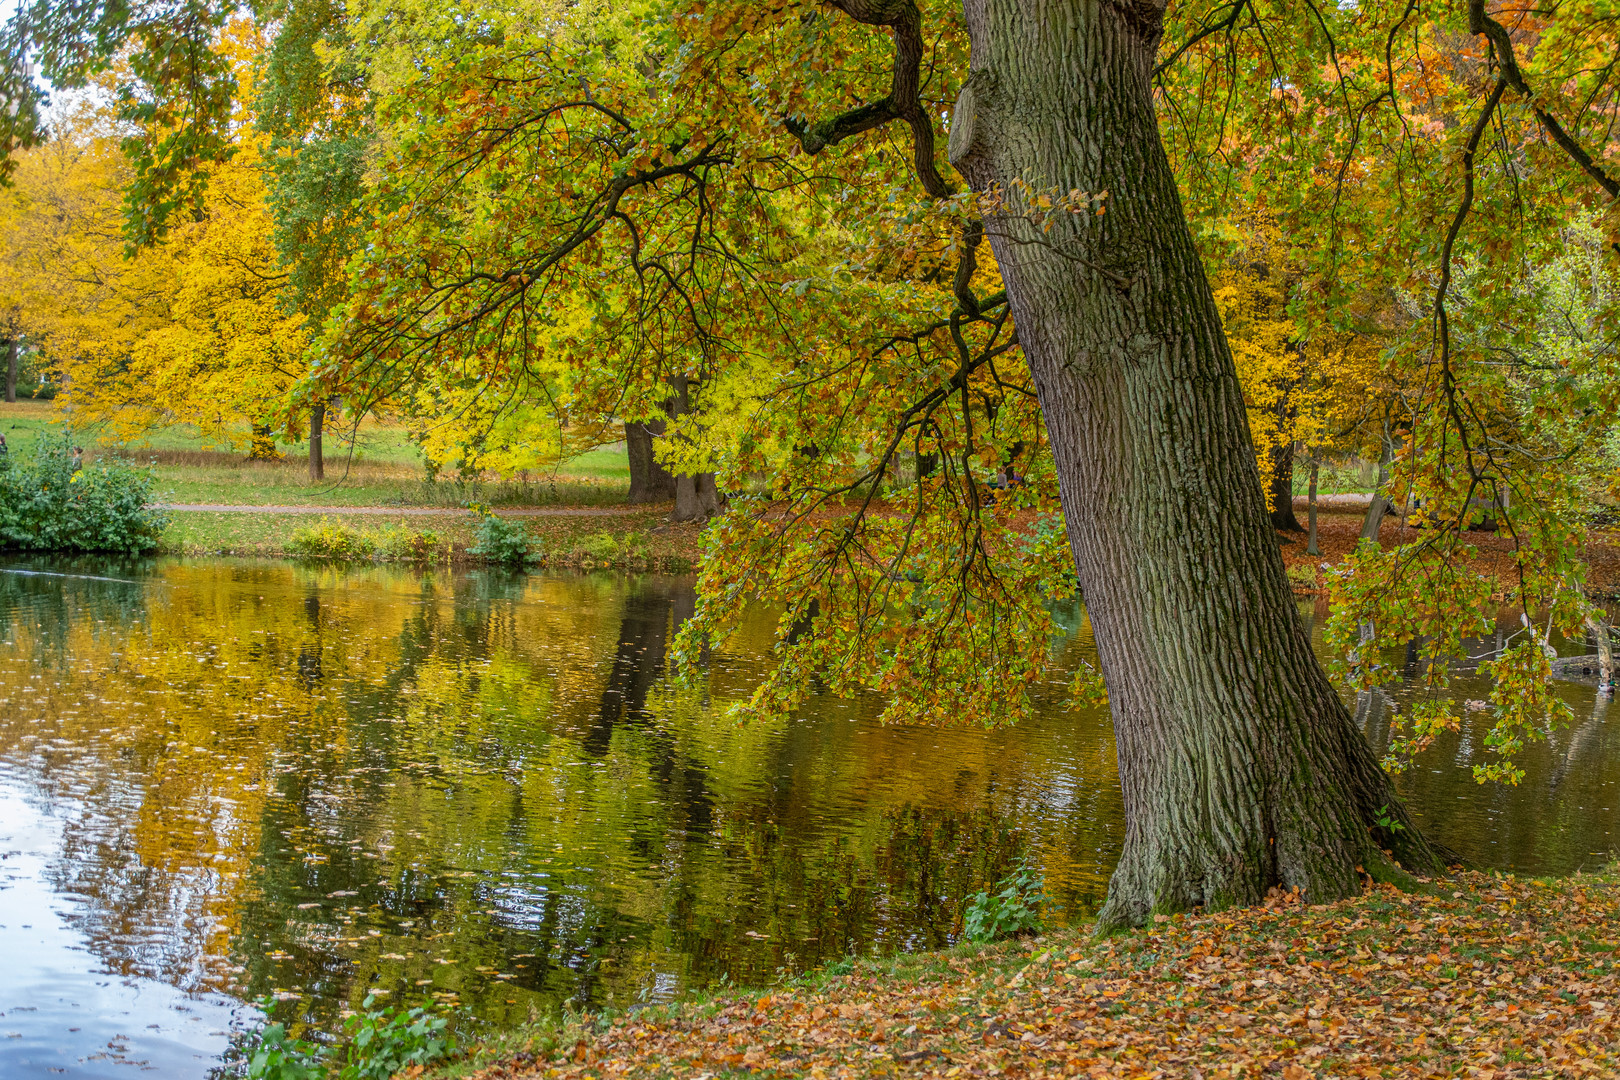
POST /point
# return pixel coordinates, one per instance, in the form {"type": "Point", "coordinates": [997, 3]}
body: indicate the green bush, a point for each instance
{"type": "Point", "coordinates": [271, 1054]}
{"type": "Point", "coordinates": [608, 550]}
{"type": "Point", "coordinates": [47, 506]}
{"type": "Point", "coordinates": [501, 540]}
{"type": "Point", "coordinates": [408, 545]}
{"type": "Point", "coordinates": [1013, 907]}
{"type": "Point", "coordinates": [1302, 576]}
{"type": "Point", "coordinates": [383, 1042]}
{"type": "Point", "coordinates": [331, 540]}
{"type": "Point", "coordinates": [598, 547]}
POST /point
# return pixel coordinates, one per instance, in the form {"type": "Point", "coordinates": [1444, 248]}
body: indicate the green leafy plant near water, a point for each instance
{"type": "Point", "coordinates": [1011, 907]}
{"type": "Point", "coordinates": [502, 540]}
{"type": "Point", "coordinates": [605, 549]}
{"type": "Point", "coordinates": [47, 504]}
{"type": "Point", "coordinates": [331, 540]}
{"type": "Point", "coordinates": [381, 1043]}
{"type": "Point", "coordinates": [404, 544]}
{"type": "Point", "coordinates": [328, 539]}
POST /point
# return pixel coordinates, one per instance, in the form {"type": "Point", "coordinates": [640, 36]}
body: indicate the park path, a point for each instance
{"type": "Point", "coordinates": [406, 511]}
{"type": "Point", "coordinates": [1348, 501]}
{"type": "Point", "coordinates": [1351, 500]}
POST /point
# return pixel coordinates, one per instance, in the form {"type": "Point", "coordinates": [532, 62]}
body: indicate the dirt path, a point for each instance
{"type": "Point", "coordinates": [1353, 500]}
{"type": "Point", "coordinates": [407, 511]}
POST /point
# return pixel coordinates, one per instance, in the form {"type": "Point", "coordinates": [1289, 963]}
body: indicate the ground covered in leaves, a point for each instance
{"type": "Point", "coordinates": [1489, 977]}
{"type": "Point", "coordinates": [1339, 532]}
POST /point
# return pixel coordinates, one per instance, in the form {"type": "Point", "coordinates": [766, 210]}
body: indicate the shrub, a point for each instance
{"type": "Point", "coordinates": [383, 1042]}
{"type": "Point", "coordinates": [46, 506]}
{"type": "Point", "coordinates": [407, 544]}
{"type": "Point", "coordinates": [271, 1054]}
{"type": "Point", "coordinates": [1014, 907]}
{"type": "Point", "coordinates": [331, 540]}
{"type": "Point", "coordinates": [601, 547]}
{"type": "Point", "coordinates": [501, 540]}
{"type": "Point", "coordinates": [1303, 576]}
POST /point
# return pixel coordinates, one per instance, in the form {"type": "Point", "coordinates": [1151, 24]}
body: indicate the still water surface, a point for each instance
{"type": "Point", "coordinates": [224, 779]}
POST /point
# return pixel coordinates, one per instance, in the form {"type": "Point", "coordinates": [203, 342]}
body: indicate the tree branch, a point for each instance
{"type": "Point", "coordinates": [1479, 22]}
{"type": "Point", "coordinates": [900, 103]}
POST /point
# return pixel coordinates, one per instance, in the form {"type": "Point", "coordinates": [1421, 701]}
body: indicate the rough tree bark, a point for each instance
{"type": "Point", "coordinates": [11, 369]}
{"type": "Point", "coordinates": [1240, 766]}
{"type": "Point", "coordinates": [649, 481]}
{"type": "Point", "coordinates": [317, 459]}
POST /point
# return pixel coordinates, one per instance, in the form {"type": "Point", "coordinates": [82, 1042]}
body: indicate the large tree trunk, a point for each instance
{"type": "Point", "coordinates": [11, 369]}
{"type": "Point", "coordinates": [649, 481]}
{"type": "Point", "coordinates": [1241, 768]}
{"type": "Point", "coordinates": [317, 460]}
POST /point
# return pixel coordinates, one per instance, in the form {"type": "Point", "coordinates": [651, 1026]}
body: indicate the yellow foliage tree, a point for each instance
{"type": "Point", "coordinates": [191, 331]}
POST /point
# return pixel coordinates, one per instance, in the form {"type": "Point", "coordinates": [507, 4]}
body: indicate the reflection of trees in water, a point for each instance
{"type": "Point", "coordinates": [490, 765]}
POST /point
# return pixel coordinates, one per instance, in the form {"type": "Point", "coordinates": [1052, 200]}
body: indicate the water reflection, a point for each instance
{"type": "Point", "coordinates": [265, 778]}
{"type": "Point", "coordinates": [313, 782]}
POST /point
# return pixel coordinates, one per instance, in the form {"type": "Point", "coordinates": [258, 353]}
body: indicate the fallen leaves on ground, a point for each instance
{"type": "Point", "coordinates": [1491, 977]}
{"type": "Point", "coordinates": [1339, 533]}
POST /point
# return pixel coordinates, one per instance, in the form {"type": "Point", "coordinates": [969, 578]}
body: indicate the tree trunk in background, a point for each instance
{"type": "Point", "coordinates": [11, 369]}
{"type": "Point", "coordinates": [1380, 503]}
{"type": "Point", "coordinates": [649, 481]}
{"type": "Point", "coordinates": [696, 496]}
{"type": "Point", "coordinates": [1240, 767]}
{"type": "Point", "coordinates": [1310, 542]}
{"type": "Point", "coordinates": [1282, 489]}
{"type": "Point", "coordinates": [317, 459]}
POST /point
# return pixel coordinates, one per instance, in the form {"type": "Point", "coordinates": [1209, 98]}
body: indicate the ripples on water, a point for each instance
{"type": "Point", "coordinates": [225, 779]}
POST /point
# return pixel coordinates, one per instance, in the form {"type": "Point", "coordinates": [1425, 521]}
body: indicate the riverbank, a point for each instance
{"type": "Point", "coordinates": [641, 537]}
{"type": "Point", "coordinates": [1488, 976]}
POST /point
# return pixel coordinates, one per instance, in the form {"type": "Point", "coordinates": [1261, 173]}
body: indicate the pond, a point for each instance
{"type": "Point", "coordinates": [227, 779]}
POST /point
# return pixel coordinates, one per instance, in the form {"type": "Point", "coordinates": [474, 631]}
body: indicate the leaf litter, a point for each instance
{"type": "Point", "coordinates": [1488, 977]}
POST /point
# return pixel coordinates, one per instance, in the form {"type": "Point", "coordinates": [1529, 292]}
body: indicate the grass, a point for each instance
{"type": "Point", "coordinates": [377, 466]}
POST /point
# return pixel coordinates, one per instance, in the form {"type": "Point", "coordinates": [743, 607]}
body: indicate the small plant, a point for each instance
{"type": "Point", "coordinates": [1302, 576]}
{"type": "Point", "coordinates": [501, 540]}
{"type": "Point", "coordinates": [383, 1042]}
{"type": "Point", "coordinates": [331, 540]}
{"type": "Point", "coordinates": [268, 1052]}
{"type": "Point", "coordinates": [1012, 907]}
{"type": "Point", "coordinates": [601, 548]}
{"type": "Point", "coordinates": [405, 544]}
{"type": "Point", "coordinates": [272, 1054]}
{"type": "Point", "coordinates": [1382, 819]}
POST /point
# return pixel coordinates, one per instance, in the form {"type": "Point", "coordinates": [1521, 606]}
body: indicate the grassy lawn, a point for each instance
{"type": "Point", "coordinates": [378, 466]}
